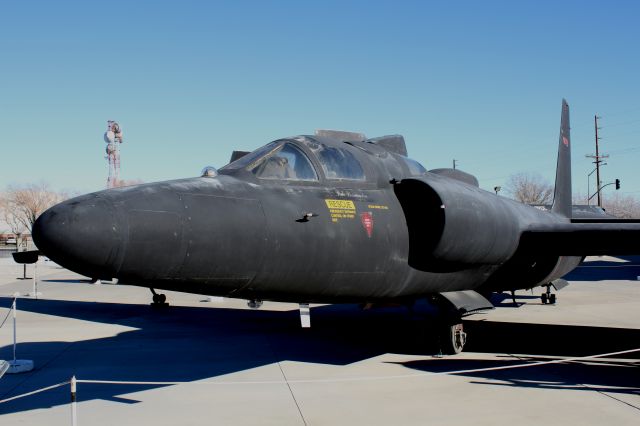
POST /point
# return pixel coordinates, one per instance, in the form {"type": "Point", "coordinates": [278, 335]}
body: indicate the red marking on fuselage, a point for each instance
{"type": "Point", "coordinates": [565, 141]}
{"type": "Point", "coordinates": [367, 222]}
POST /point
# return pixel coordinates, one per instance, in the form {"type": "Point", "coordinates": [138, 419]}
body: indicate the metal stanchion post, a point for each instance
{"type": "Point", "coordinates": [35, 280]}
{"type": "Point", "coordinates": [13, 308]}
{"type": "Point", "coordinates": [74, 413]}
{"type": "Point", "coordinates": [17, 365]}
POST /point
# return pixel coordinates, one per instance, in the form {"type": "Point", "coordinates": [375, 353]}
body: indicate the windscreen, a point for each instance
{"type": "Point", "coordinates": [286, 162]}
{"type": "Point", "coordinates": [252, 157]}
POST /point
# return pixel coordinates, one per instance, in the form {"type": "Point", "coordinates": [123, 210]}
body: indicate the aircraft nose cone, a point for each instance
{"type": "Point", "coordinates": [82, 235]}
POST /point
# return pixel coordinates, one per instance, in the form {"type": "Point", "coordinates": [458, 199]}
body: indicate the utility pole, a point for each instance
{"type": "Point", "coordinates": [597, 160]}
{"type": "Point", "coordinates": [454, 163]}
{"type": "Point", "coordinates": [595, 125]}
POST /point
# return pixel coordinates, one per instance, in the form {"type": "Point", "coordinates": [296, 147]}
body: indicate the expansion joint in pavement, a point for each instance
{"type": "Point", "coordinates": [304, 421]}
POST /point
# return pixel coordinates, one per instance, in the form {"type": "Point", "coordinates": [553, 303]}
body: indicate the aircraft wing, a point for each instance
{"type": "Point", "coordinates": [585, 237]}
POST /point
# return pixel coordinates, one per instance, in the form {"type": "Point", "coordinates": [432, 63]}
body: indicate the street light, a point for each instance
{"type": "Point", "coordinates": [497, 189]}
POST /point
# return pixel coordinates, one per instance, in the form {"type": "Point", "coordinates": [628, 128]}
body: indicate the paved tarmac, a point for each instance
{"type": "Point", "coordinates": [258, 367]}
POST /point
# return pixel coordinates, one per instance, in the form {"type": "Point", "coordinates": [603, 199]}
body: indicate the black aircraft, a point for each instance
{"type": "Point", "coordinates": [331, 218]}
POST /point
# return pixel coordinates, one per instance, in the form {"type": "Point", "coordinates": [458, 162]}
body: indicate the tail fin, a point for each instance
{"type": "Point", "coordinates": [562, 193]}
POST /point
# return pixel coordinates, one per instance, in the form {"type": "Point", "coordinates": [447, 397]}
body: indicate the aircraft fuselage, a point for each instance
{"type": "Point", "coordinates": [401, 233]}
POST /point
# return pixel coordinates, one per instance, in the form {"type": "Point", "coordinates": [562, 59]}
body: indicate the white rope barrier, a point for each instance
{"type": "Point", "coordinates": [34, 392]}
{"type": "Point", "coordinates": [73, 380]}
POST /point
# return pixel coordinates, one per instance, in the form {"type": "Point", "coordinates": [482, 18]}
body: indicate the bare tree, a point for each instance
{"type": "Point", "coordinates": [529, 188]}
{"type": "Point", "coordinates": [622, 206]}
{"type": "Point", "coordinates": [21, 205]}
{"type": "Point", "coordinates": [15, 226]}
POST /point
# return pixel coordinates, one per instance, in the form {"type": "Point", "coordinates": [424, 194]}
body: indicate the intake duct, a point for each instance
{"type": "Point", "coordinates": [453, 225]}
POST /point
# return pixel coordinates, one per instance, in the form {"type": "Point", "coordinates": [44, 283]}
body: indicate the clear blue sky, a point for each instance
{"type": "Point", "coordinates": [190, 81]}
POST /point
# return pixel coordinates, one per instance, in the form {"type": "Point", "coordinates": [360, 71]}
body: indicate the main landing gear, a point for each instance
{"type": "Point", "coordinates": [557, 284]}
{"type": "Point", "coordinates": [159, 299]}
{"type": "Point", "coordinates": [548, 297]}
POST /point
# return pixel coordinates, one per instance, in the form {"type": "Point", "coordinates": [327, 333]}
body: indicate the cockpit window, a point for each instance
{"type": "Point", "coordinates": [252, 157]}
{"type": "Point", "coordinates": [338, 163]}
{"type": "Point", "coordinates": [415, 168]}
{"type": "Point", "coordinates": [287, 162]}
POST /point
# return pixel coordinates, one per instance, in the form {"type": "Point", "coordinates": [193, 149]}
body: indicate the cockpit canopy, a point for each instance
{"type": "Point", "coordinates": [338, 163]}
{"type": "Point", "coordinates": [289, 159]}
{"type": "Point", "coordinates": [277, 160]}
{"type": "Point", "coordinates": [284, 160]}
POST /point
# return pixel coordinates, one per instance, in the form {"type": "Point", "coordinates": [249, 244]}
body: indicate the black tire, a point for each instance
{"type": "Point", "coordinates": [254, 303]}
{"type": "Point", "coordinates": [452, 339]}
{"type": "Point", "coordinates": [544, 298]}
{"type": "Point", "coordinates": [162, 298]}
{"type": "Point", "coordinates": [552, 299]}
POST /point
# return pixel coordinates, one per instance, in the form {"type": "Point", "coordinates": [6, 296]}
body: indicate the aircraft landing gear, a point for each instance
{"type": "Point", "coordinates": [451, 307]}
{"type": "Point", "coordinates": [452, 338]}
{"type": "Point", "coordinates": [254, 303]}
{"type": "Point", "coordinates": [159, 299]}
{"type": "Point", "coordinates": [548, 297]}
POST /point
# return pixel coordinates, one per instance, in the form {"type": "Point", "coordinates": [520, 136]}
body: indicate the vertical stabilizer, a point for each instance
{"type": "Point", "coordinates": [562, 193]}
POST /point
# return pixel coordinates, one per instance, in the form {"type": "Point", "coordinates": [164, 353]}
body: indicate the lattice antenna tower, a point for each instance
{"type": "Point", "coordinates": [113, 138]}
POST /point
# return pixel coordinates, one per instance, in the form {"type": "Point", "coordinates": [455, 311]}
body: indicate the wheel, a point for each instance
{"type": "Point", "coordinates": [552, 299]}
{"type": "Point", "coordinates": [254, 304]}
{"type": "Point", "coordinates": [544, 298]}
{"type": "Point", "coordinates": [162, 298]}
{"type": "Point", "coordinates": [453, 339]}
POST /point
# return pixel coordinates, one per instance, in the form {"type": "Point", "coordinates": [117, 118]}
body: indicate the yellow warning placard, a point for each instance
{"type": "Point", "coordinates": [341, 209]}
{"type": "Point", "coordinates": [340, 204]}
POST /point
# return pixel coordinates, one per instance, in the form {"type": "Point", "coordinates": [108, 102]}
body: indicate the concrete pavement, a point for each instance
{"type": "Point", "coordinates": [253, 367]}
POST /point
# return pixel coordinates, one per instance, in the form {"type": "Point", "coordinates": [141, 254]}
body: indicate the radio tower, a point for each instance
{"type": "Point", "coordinates": [113, 138]}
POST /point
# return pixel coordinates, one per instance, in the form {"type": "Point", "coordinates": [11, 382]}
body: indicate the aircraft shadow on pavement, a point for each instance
{"type": "Point", "coordinates": [598, 375]}
{"type": "Point", "coordinates": [199, 343]}
{"type": "Point", "coordinates": [538, 341]}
